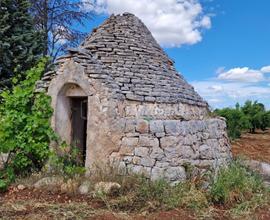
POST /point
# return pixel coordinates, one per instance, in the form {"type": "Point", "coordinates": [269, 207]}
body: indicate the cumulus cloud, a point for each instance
{"type": "Point", "coordinates": [265, 69]}
{"type": "Point", "coordinates": [235, 85]}
{"type": "Point", "coordinates": [172, 22]}
{"type": "Point", "coordinates": [244, 74]}
{"type": "Point", "coordinates": [231, 92]}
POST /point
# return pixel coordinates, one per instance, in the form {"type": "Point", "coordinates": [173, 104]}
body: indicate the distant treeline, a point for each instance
{"type": "Point", "coordinates": [249, 117]}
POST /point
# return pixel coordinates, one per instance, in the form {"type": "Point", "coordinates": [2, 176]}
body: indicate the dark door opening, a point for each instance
{"type": "Point", "coordinates": [79, 126]}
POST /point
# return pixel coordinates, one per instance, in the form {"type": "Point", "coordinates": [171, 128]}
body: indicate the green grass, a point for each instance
{"type": "Point", "coordinates": [235, 184]}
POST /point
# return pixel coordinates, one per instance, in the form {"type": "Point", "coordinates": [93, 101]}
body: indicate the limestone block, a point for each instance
{"type": "Point", "coordinates": [159, 135]}
{"type": "Point", "coordinates": [213, 128]}
{"type": "Point", "coordinates": [141, 151]}
{"type": "Point", "coordinates": [206, 152]}
{"type": "Point", "coordinates": [139, 170]}
{"type": "Point", "coordinates": [162, 164]}
{"type": "Point", "coordinates": [148, 141]}
{"type": "Point", "coordinates": [126, 150]}
{"type": "Point", "coordinates": [147, 162]}
{"type": "Point", "coordinates": [130, 126]}
{"type": "Point", "coordinates": [131, 110]}
{"type": "Point", "coordinates": [84, 187]}
{"type": "Point", "coordinates": [157, 173]}
{"type": "Point", "coordinates": [175, 174]}
{"type": "Point", "coordinates": [172, 152]}
{"type": "Point", "coordinates": [171, 126]}
{"type": "Point", "coordinates": [53, 181]}
{"type": "Point", "coordinates": [130, 141]}
{"type": "Point", "coordinates": [174, 161]}
{"type": "Point", "coordinates": [157, 153]}
{"type": "Point", "coordinates": [188, 140]}
{"type": "Point", "coordinates": [156, 126]}
{"type": "Point", "coordinates": [183, 128]}
{"type": "Point", "coordinates": [168, 141]}
{"type": "Point", "coordinates": [143, 161]}
{"type": "Point", "coordinates": [108, 188]}
{"type": "Point", "coordinates": [142, 126]}
{"type": "Point", "coordinates": [187, 152]}
{"type": "Point", "coordinates": [21, 187]}
{"type": "Point", "coordinates": [134, 134]}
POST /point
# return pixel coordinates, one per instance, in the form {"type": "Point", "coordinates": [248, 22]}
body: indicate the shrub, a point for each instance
{"type": "Point", "coordinates": [25, 131]}
{"type": "Point", "coordinates": [236, 121]}
{"type": "Point", "coordinates": [6, 177]}
{"type": "Point", "coordinates": [235, 184]}
{"type": "Point", "coordinates": [66, 163]}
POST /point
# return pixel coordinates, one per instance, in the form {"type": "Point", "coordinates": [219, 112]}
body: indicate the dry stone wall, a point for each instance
{"type": "Point", "coordinates": [169, 148]}
{"type": "Point", "coordinates": [142, 114]}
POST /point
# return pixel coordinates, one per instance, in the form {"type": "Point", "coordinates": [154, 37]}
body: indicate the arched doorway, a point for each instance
{"type": "Point", "coordinates": [71, 118]}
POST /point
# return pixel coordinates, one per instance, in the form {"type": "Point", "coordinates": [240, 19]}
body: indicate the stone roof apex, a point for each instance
{"type": "Point", "coordinates": [136, 66]}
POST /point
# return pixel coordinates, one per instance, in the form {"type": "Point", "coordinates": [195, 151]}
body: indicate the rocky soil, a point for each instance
{"type": "Point", "coordinates": [24, 202]}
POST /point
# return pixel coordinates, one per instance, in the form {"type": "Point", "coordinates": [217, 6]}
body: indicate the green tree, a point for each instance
{"type": "Point", "coordinates": [251, 116]}
{"type": "Point", "coordinates": [236, 121]}
{"type": "Point", "coordinates": [256, 115]}
{"type": "Point", "coordinates": [20, 44]}
{"type": "Point", "coordinates": [25, 131]}
{"type": "Point", "coordinates": [265, 120]}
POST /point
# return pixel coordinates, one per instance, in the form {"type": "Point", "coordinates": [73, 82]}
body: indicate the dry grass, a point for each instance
{"type": "Point", "coordinates": [32, 209]}
{"type": "Point", "coordinates": [137, 195]}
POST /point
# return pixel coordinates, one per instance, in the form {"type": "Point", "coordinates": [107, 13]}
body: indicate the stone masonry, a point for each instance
{"type": "Point", "coordinates": [142, 115]}
{"type": "Point", "coordinates": [167, 148]}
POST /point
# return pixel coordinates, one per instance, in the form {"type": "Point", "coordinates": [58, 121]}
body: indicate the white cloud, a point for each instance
{"type": "Point", "coordinates": [244, 74]}
{"type": "Point", "coordinates": [231, 92]}
{"type": "Point", "coordinates": [235, 85]}
{"type": "Point", "coordinates": [216, 88]}
{"type": "Point", "coordinates": [172, 22]}
{"type": "Point", "coordinates": [265, 69]}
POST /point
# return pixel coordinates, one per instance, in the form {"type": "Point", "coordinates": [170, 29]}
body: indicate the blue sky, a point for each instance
{"type": "Point", "coordinates": [222, 47]}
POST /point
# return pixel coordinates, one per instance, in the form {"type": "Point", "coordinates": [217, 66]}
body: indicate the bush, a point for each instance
{"type": "Point", "coordinates": [235, 184]}
{"type": "Point", "coordinates": [236, 121]}
{"type": "Point", "coordinates": [66, 163]}
{"type": "Point", "coordinates": [25, 131]}
{"type": "Point", "coordinates": [6, 177]}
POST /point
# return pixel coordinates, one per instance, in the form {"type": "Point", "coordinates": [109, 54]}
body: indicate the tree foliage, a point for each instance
{"type": "Point", "coordinates": [59, 20]}
{"type": "Point", "coordinates": [25, 130]}
{"type": "Point", "coordinates": [20, 43]}
{"type": "Point", "coordinates": [257, 115]}
{"type": "Point", "coordinates": [250, 116]}
{"type": "Point", "coordinates": [236, 121]}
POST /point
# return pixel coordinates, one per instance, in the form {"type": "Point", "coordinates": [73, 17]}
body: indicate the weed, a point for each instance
{"type": "Point", "coordinates": [235, 184]}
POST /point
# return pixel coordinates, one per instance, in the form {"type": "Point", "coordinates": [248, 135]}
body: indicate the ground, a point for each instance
{"type": "Point", "coordinates": [38, 204]}
{"type": "Point", "coordinates": [255, 146]}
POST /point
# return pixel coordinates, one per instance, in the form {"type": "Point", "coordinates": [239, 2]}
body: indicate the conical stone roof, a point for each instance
{"type": "Point", "coordinates": [137, 65]}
